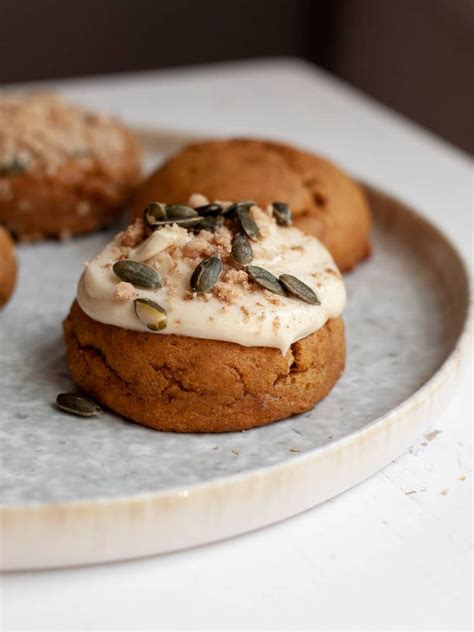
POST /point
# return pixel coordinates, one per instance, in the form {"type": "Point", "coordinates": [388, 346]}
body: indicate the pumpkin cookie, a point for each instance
{"type": "Point", "coordinates": [208, 319]}
{"type": "Point", "coordinates": [8, 267]}
{"type": "Point", "coordinates": [325, 201]}
{"type": "Point", "coordinates": [63, 170]}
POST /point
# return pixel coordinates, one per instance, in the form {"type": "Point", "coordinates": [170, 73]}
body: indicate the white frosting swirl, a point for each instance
{"type": "Point", "coordinates": [245, 313]}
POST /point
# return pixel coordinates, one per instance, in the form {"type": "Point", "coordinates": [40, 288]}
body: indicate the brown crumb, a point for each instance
{"type": "Point", "coordinates": [222, 237]}
{"type": "Point", "coordinates": [124, 292]}
{"type": "Point", "coordinates": [237, 277]}
{"type": "Point", "coordinates": [198, 247]}
{"type": "Point", "coordinates": [294, 450]}
{"type": "Point", "coordinates": [133, 234]}
{"type": "Point", "coordinates": [445, 491]}
{"type": "Point", "coordinates": [226, 293]}
{"type": "Point", "coordinates": [272, 298]}
{"type": "Point", "coordinates": [276, 324]}
{"type": "Point", "coordinates": [262, 219]}
{"type": "Point", "coordinates": [334, 272]}
{"type": "Point", "coordinates": [245, 311]}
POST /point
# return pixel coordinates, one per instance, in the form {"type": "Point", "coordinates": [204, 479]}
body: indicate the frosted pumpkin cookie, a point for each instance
{"type": "Point", "coordinates": [209, 319]}
{"type": "Point", "coordinates": [325, 201]}
{"type": "Point", "coordinates": [8, 268]}
{"type": "Point", "coordinates": [63, 170]}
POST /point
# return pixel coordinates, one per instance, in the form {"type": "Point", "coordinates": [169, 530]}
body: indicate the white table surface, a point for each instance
{"type": "Point", "coordinates": [393, 552]}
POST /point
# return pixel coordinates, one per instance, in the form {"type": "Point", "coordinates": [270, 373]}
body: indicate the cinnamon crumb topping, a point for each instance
{"type": "Point", "coordinates": [133, 234]}
{"type": "Point", "coordinates": [225, 292]}
{"type": "Point", "coordinates": [41, 130]}
{"type": "Point", "coordinates": [276, 324]}
{"type": "Point", "coordinates": [334, 272]}
{"type": "Point", "coordinates": [124, 292]}
{"type": "Point", "coordinates": [198, 247]}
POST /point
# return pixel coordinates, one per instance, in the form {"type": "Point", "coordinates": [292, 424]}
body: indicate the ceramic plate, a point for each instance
{"type": "Point", "coordinates": [77, 491]}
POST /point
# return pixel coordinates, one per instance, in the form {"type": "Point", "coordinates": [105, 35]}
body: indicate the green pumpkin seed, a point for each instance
{"type": "Point", "coordinates": [206, 274]}
{"type": "Point", "coordinates": [209, 209]}
{"type": "Point", "coordinates": [77, 405]}
{"type": "Point", "coordinates": [179, 211]}
{"type": "Point", "coordinates": [150, 313]}
{"type": "Point", "coordinates": [188, 222]}
{"type": "Point", "coordinates": [211, 223]}
{"type": "Point", "coordinates": [282, 213]}
{"type": "Point", "coordinates": [247, 223]}
{"type": "Point", "coordinates": [299, 289]}
{"type": "Point", "coordinates": [233, 208]}
{"type": "Point", "coordinates": [138, 274]}
{"type": "Point", "coordinates": [154, 213]}
{"type": "Point", "coordinates": [266, 279]}
{"type": "Point", "coordinates": [12, 168]}
{"type": "Point", "coordinates": [242, 250]}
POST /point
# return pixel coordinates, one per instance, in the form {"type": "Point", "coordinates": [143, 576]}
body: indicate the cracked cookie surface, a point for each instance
{"type": "Point", "coordinates": [325, 201]}
{"type": "Point", "coordinates": [183, 384]}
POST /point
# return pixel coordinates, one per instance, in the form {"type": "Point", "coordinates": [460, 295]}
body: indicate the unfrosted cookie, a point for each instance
{"type": "Point", "coordinates": [63, 170]}
{"type": "Point", "coordinates": [8, 267]}
{"type": "Point", "coordinates": [325, 201]}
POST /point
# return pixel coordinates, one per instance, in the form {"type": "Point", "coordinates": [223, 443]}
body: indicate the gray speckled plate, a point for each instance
{"type": "Point", "coordinates": [77, 491]}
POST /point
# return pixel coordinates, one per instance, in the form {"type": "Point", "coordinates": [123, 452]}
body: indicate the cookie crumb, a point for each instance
{"type": "Point", "coordinates": [133, 234]}
{"type": "Point", "coordinates": [124, 292]}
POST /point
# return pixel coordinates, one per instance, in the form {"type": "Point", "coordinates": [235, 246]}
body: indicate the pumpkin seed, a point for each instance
{"type": "Point", "coordinates": [247, 223]}
{"type": "Point", "coordinates": [299, 289]}
{"type": "Point", "coordinates": [206, 274]}
{"type": "Point", "coordinates": [138, 274]}
{"type": "Point", "coordinates": [154, 213]}
{"type": "Point", "coordinates": [242, 250]}
{"type": "Point", "coordinates": [266, 279]}
{"type": "Point", "coordinates": [209, 209]}
{"type": "Point", "coordinates": [150, 313]}
{"type": "Point", "coordinates": [211, 223]}
{"type": "Point", "coordinates": [188, 222]}
{"type": "Point", "coordinates": [179, 211]}
{"type": "Point", "coordinates": [282, 213]}
{"type": "Point", "coordinates": [233, 208]}
{"type": "Point", "coordinates": [12, 168]}
{"type": "Point", "coordinates": [77, 405]}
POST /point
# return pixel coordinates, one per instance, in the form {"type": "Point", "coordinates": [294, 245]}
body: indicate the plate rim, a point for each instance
{"type": "Point", "coordinates": [12, 515]}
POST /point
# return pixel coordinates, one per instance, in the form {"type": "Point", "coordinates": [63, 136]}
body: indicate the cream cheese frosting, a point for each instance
{"type": "Point", "coordinates": [236, 310]}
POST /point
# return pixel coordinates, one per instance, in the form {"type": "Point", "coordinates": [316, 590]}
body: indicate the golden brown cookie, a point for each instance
{"type": "Point", "coordinates": [8, 267]}
{"type": "Point", "coordinates": [325, 201]}
{"type": "Point", "coordinates": [63, 170]}
{"type": "Point", "coordinates": [183, 384]}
